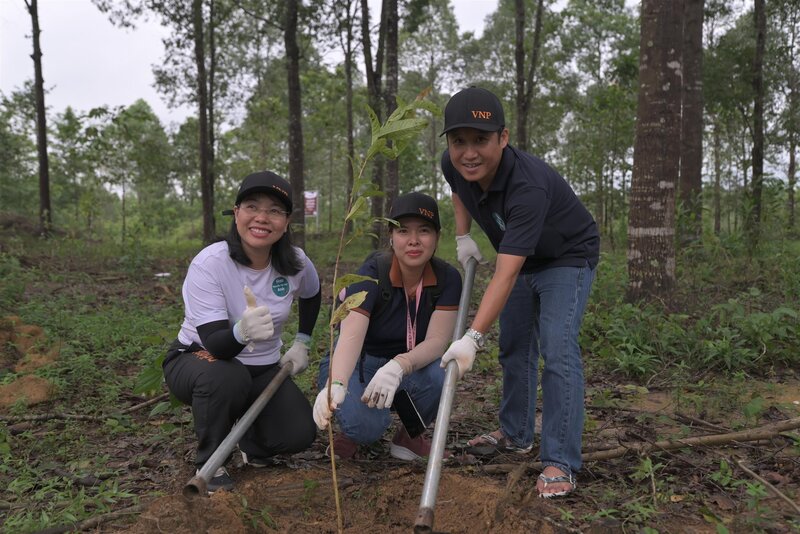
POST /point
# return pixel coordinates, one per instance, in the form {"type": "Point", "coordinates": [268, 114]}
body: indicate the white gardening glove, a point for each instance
{"type": "Point", "coordinates": [323, 412]}
{"type": "Point", "coordinates": [467, 248]}
{"type": "Point", "coordinates": [380, 390]}
{"type": "Point", "coordinates": [297, 354]}
{"type": "Point", "coordinates": [463, 352]}
{"type": "Point", "coordinates": [255, 324]}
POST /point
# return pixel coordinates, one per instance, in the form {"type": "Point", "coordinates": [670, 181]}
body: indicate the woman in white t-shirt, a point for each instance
{"type": "Point", "coordinates": [237, 296]}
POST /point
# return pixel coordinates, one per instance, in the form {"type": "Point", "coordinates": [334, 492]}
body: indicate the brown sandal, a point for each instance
{"type": "Point", "coordinates": [490, 445]}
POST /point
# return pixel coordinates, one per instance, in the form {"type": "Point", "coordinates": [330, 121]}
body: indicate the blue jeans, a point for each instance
{"type": "Point", "coordinates": [366, 425]}
{"type": "Point", "coordinates": [542, 317]}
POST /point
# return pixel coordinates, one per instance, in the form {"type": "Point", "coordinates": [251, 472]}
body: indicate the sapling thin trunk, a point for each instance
{"type": "Point", "coordinates": [402, 126]}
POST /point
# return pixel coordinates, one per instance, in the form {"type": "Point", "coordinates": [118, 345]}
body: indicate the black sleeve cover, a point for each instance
{"type": "Point", "coordinates": [308, 310]}
{"type": "Point", "coordinates": [217, 338]}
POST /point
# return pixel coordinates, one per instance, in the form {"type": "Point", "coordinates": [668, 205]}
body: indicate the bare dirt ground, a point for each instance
{"type": "Point", "coordinates": [682, 490]}
{"type": "Point", "coordinates": [380, 494]}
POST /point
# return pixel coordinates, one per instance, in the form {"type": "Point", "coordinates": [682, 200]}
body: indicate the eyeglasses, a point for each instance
{"type": "Point", "coordinates": [272, 213]}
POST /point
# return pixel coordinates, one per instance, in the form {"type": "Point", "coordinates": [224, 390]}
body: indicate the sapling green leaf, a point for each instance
{"type": "Point", "coordinates": [359, 204]}
{"type": "Point", "coordinates": [353, 301]}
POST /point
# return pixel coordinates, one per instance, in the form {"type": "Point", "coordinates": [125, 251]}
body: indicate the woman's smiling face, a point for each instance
{"type": "Point", "coordinates": [261, 221]}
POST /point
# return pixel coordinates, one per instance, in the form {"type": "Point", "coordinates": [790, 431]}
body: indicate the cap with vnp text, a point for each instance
{"type": "Point", "coordinates": [417, 205]}
{"type": "Point", "coordinates": [474, 107]}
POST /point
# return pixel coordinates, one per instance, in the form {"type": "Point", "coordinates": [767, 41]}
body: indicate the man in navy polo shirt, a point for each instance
{"type": "Point", "coordinates": [547, 249]}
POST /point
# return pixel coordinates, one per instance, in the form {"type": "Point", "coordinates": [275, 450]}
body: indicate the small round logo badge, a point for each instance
{"type": "Point", "coordinates": [280, 286]}
{"type": "Point", "coordinates": [499, 221]}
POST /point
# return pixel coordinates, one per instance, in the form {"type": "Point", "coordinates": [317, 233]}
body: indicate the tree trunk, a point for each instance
{"type": "Point", "coordinates": [45, 210]}
{"type": "Point", "coordinates": [374, 81]}
{"type": "Point", "coordinates": [760, 17]}
{"type": "Point", "coordinates": [524, 84]}
{"type": "Point", "coordinates": [295, 120]}
{"type": "Point", "coordinates": [206, 180]}
{"type": "Point", "coordinates": [791, 174]}
{"type": "Point", "coordinates": [212, 71]}
{"type": "Point", "coordinates": [717, 177]}
{"type": "Point", "coordinates": [794, 114]}
{"type": "Point", "coordinates": [390, 101]}
{"type": "Point", "coordinates": [651, 224]}
{"type": "Point", "coordinates": [348, 74]}
{"type": "Point", "coordinates": [691, 171]}
{"type": "Point", "coordinates": [519, 75]}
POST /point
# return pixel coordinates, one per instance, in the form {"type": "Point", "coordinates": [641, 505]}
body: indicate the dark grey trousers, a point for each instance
{"type": "Point", "coordinates": [220, 391]}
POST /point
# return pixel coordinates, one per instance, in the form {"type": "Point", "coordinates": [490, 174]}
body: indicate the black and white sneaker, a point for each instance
{"type": "Point", "coordinates": [220, 480]}
{"type": "Point", "coordinates": [255, 461]}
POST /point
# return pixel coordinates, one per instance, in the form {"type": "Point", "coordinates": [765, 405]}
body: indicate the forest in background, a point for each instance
{"type": "Point", "coordinates": [267, 97]}
{"type": "Point", "coordinates": [685, 155]}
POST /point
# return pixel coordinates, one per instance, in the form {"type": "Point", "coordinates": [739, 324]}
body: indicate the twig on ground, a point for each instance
{"type": "Point", "coordinates": [81, 417]}
{"type": "Point", "coordinates": [772, 488]}
{"type": "Point", "coordinates": [754, 434]}
{"type": "Point", "coordinates": [52, 415]}
{"type": "Point", "coordinates": [145, 404]}
{"type": "Point", "coordinates": [87, 481]}
{"type": "Point", "coordinates": [653, 487]}
{"type": "Point", "coordinates": [92, 521]}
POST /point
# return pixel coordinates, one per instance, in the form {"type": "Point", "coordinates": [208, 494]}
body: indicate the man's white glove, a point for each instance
{"type": "Point", "coordinates": [467, 248]}
{"type": "Point", "coordinates": [463, 352]}
{"type": "Point", "coordinates": [323, 412]}
{"type": "Point", "coordinates": [380, 390]}
{"type": "Point", "coordinates": [256, 322]}
{"type": "Point", "coordinates": [297, 354]}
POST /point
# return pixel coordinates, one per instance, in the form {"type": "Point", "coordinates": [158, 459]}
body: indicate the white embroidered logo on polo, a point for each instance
{"type": "Point", "coordinates": [499, 221]}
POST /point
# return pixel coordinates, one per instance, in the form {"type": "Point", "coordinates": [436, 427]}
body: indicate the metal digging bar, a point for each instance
{"type": "Point", "coordinates": [198, 485]}
{"type": "Point", "coordinates": [424, 522]}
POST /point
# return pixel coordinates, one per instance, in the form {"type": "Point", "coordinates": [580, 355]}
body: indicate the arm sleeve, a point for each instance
{"type": "Point", "coordinates": [308, 310]}
{"type": "Point", "coordinates": [440, 332]}
{"type": "Point", "coordinates": [348, 347]}
{"type": "Point", "coordinates": [217, 338]}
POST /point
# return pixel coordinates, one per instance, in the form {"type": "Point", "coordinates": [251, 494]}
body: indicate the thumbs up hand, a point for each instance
{"type": "Point", "coordinates": [256, 322]}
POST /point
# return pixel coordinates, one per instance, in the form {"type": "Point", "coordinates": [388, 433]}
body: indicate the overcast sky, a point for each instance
{"type": "Point", "coordinates": [88, 62]}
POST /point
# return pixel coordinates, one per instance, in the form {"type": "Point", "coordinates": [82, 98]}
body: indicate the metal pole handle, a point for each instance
{"type": "Point", "coordinates": [424, 521]}
{"type": "Point", "coordinates": [198, 485]}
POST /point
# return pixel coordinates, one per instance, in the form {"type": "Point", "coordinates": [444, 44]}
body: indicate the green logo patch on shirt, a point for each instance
{"type": "Point", "coordinates": [280, 286]}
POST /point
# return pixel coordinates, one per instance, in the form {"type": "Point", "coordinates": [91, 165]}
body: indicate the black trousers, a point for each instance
{"type": "Point", "coordinates": [220, 391]}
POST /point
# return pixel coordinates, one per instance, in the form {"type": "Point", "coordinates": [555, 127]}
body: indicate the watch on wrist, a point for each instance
{"type": "Point", "coordinates": [479, 338]}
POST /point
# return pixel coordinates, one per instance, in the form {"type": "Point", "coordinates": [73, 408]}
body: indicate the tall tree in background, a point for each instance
{"type": "Point", "coordinates": [45, 210]}
{"type": "Point", "coordinates": [18, 167]}
{"type": "Point", "coordinates": [345, 15]}
{"type": "Point", "coordinates": [206, 176]}
{"type": "Point", "coordinates": [691, 170]}
{"type": "Point", "coordinates": [789, 14]}
{"type": "Point", "coordinates": [190, 47]}
{"type": "Point", "coordinates": [754, 221]}
{"type": "Point", "coordinates": [429, 57]}
{"type": "Point", "coordinates": [374, 74]}
{"type": "Point", "coordinates": [651, 221]}
{"type": "Point", "coordinates": [296, 162]}
{"type": "Point", "coordinates": [390, 98]}
{"type": "Point", "coordinates": [602, 67]}
{"type": "Point", "coordinates": [524, 82]}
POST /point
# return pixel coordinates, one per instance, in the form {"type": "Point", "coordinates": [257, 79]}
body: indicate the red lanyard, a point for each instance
{"type": "Point", "coordinates": [411, 326]}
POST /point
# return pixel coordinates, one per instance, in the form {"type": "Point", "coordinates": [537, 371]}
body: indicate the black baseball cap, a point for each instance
{"type": "Point", "coordinates": [266, 182]}
{"type": "Point", "coordinates": [474, 107]}
{"type": "Point", "coordinates": [417, 205]}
